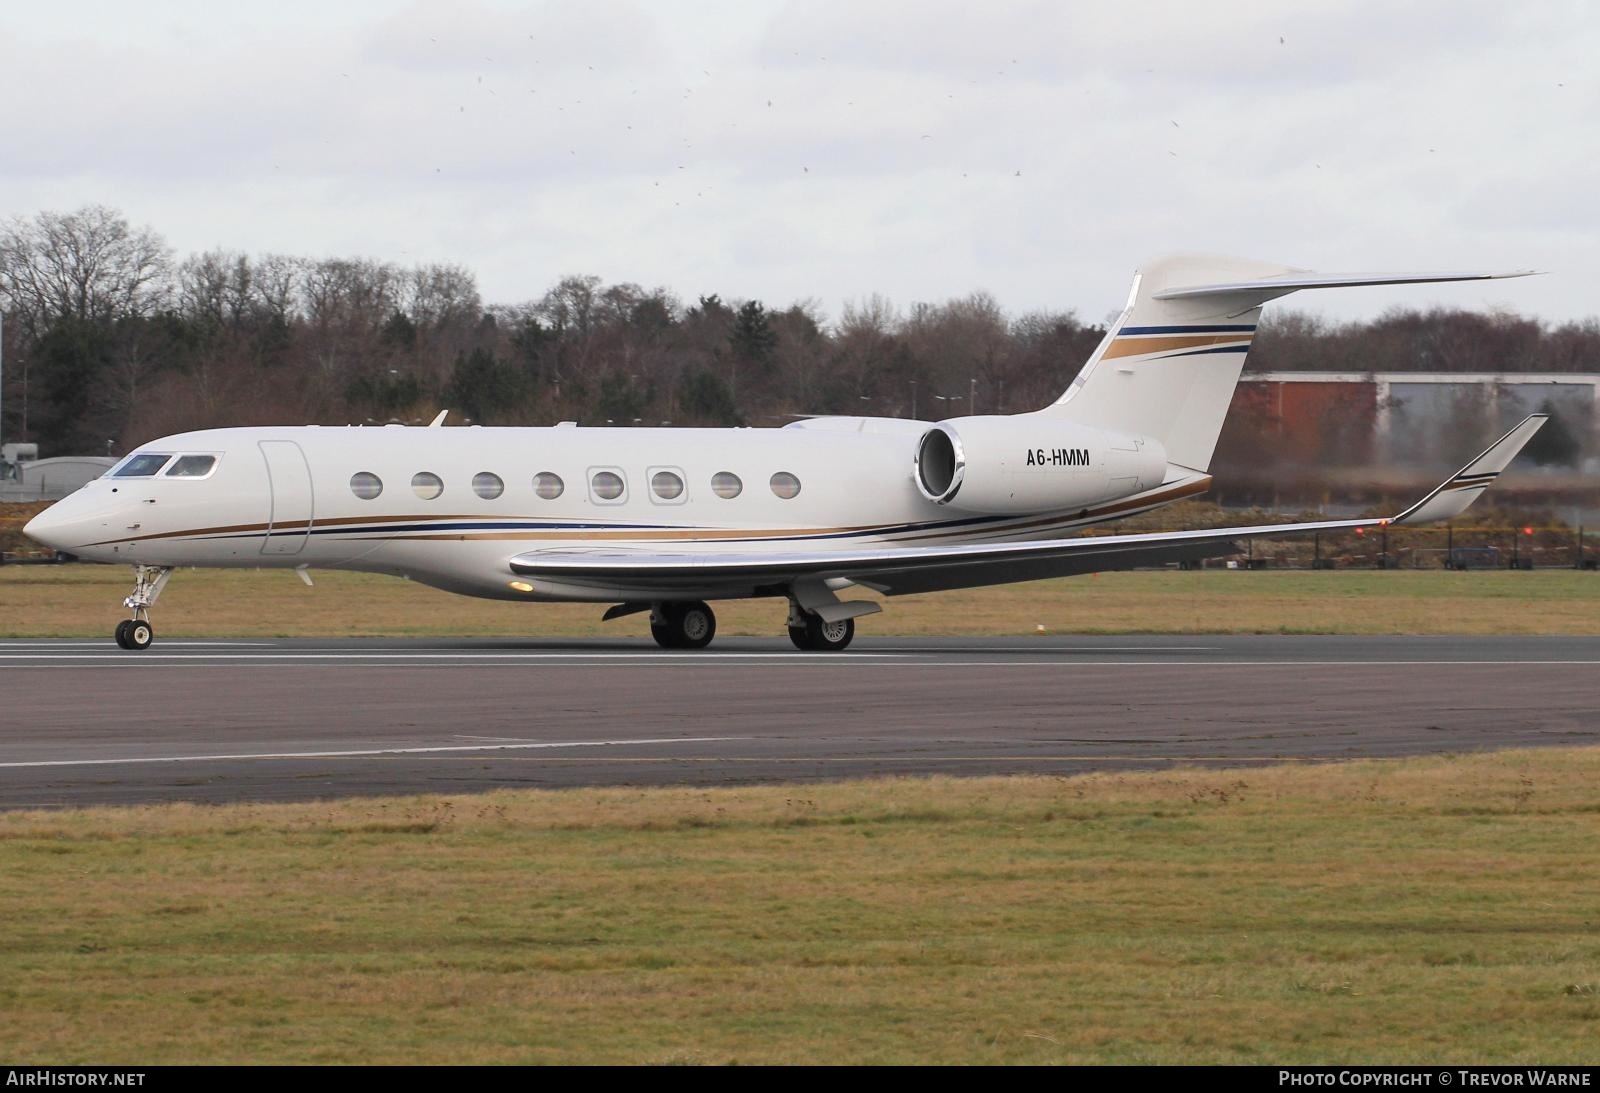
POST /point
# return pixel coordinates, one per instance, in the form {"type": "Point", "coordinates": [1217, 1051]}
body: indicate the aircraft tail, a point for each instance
{"type": "Point", "coordinates": [1168, 365]}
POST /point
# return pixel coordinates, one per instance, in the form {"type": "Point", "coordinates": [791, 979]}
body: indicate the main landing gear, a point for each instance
{"type": "Point", "coordinates": [148, 581]}
{"type": "Point", "coordinates": [691, 624]}
{"type": "Point", "coordinates": [682, 625]}
{"type": "Point", "coordinates": [811, 634]}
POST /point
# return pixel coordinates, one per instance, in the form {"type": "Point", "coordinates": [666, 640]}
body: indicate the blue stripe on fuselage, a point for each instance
{"type": "Point", "coordinates": [1237, 328]}
{"type": "Point", "coordinates": [754, 535]}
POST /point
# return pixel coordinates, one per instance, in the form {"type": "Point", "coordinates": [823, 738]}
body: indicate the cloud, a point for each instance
{"type": "Point", "coordinates": [830, 150]}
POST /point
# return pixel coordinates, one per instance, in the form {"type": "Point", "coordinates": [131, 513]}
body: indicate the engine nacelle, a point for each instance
{"type": "Point", "coordinates": [1006, 466]}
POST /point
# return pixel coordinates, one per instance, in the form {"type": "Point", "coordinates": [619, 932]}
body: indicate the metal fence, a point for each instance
{"type": "Point", "coordinates": [25, 494]}
{"type": "Point", "coordinates": [1461, 548]}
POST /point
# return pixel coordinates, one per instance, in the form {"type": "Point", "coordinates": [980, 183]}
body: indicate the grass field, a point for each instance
{"type": "Point", "coordinates": [68, 601]}
{"type": "Point", "coordinates": [1431, 910]}
{"type": "Point", "coordinates": [86, 600]}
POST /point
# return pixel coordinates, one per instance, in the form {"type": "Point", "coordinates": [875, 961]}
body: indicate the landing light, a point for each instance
{"type": "Point", "coordinates": [521, 586]}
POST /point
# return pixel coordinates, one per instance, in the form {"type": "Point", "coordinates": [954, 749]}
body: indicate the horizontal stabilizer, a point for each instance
{"type": "Point", "coordinates": [1270, 288]}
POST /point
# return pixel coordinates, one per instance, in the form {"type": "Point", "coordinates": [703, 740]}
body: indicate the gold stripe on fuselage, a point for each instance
{"type": "Point", "coordinates": [891, 532]}
{"type": "Point", "coordinates": [1099, 513]}
{"type": "Point", "coordinates": [284, 525]}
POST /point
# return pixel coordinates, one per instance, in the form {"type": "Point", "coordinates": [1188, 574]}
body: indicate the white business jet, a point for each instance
{"type": "Point", "coordinates": [664, 520]}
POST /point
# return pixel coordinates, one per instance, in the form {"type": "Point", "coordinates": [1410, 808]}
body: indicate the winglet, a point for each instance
{"type": "Point", "coordinates": [1464, 487]}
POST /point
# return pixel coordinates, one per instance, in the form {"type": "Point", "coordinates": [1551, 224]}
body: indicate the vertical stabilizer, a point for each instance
{"type": "Point", "coordinates": [1168, 366]}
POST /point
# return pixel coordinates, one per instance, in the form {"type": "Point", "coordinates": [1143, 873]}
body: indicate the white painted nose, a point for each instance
{"type": "Point", "coordinates": [74, 523]}
{"type": "Point", "coordinates": [48, 528]}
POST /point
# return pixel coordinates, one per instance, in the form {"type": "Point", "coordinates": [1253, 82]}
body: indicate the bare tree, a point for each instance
{"type": "Point", "coordinates": [89, 265]}
{"type": "Point", "coordinates": [569, 307]}
{"type": "Point", "coordinates": [275, 286]}
{"type": "Point", "coordinates": [440, 294]}
{"type": "Point", "coordinates": [349, 292]}
{"type": "Point", "coordinates": [213, 287]}
{"type": "Point", "coordinates": [960, 344]}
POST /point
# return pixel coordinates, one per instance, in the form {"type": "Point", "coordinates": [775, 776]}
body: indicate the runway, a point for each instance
{"type": "Point", "coordinates": [82, 722]}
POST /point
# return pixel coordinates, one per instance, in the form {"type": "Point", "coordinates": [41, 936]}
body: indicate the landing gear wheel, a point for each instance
{"type": "Point", "coordinates": [817, 636]}
{"type": "Point", "coordinates": [148, 581]}
{"type": "Point", "coordinates": [694, 625]}
{"type": "Point", "coordinates": [684, 626]}
{"type": "Point", "coordinates": [137, 635]}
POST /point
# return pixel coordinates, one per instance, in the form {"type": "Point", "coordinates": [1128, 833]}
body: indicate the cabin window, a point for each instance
{"type": "Point", "coordinates": [548, 485]}
{"type": "Point", "coordinates": [606, 485]}
{"type": "Point", "coordinates": [191, 466]}
{"type": "Point", "coordinates": [427, 485]}
{"type": "Point", "coordinates": [366, 485]}
{"type": "Point", "coordinates": [487, 485]}
{"type": "Point", "coordinates": [785, 485]}
{"type": "Point", "coordinates": [726, 484]}
{"type": "Point", "coordinates": [142, 465]}
{"type": "Point", "coordinates": [666, 485]}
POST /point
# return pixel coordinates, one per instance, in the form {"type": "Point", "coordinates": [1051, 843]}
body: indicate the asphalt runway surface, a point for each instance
{"type": "Point", "coordinates": [83, 722]}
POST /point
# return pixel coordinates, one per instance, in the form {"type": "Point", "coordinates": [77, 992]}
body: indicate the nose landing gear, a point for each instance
{"type": "Point", "coordinates": [148, 581]}
{"type": "Point", "coordinates": [135, 634]}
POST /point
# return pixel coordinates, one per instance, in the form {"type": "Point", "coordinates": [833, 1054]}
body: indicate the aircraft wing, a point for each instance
{"type": "Point", "coordinates": [897, 570]}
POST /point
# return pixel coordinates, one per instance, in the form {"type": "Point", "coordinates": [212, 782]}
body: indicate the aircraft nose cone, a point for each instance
{"type": "Point", "coordinates": [45, 528]}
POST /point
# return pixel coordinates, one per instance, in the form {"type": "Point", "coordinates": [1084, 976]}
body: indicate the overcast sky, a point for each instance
{"type": "Point", "coordinates": [827, 150]}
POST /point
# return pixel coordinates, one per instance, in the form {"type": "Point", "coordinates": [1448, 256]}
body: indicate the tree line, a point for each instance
{"type": "Point", "coordinates": [111, 339]}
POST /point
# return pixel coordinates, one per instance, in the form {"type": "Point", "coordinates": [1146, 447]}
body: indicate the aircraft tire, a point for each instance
{"type": "Point", "coordinates": [140, 634]}
{"type": "Point", "coordinates": [663, 634]}
{"type": "Point", "coordinates": [693, 624]}
{"type": "Point", "coordinates": [122, 633]}
{"type": "Point", "coordinates": [828, 637]}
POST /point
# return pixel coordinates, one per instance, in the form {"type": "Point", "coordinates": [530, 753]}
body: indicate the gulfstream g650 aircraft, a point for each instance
{"type": "Point", "coordinates": [663, 520]}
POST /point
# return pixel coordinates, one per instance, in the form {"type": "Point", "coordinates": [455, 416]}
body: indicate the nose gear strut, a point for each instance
{"type": "Point", "coordinates": [148, 581]}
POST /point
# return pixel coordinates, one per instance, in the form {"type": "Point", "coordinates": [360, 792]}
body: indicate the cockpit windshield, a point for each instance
{"type": "Point", "coordinates": [179, 465]}
{"type": "Point", "coordinates": [191, 466]}
{"type": "Point", "coordinates": [141, 465]}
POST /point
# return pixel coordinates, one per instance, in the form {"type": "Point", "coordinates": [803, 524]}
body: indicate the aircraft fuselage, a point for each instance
{"type": "Point", "coordinates": [450, 506]}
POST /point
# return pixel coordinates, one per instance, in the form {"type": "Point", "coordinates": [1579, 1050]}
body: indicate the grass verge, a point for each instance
{"type": "Point", "coordinates": [86, 600]}
{"type": "Point", "coordinates": [1429, 910]}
